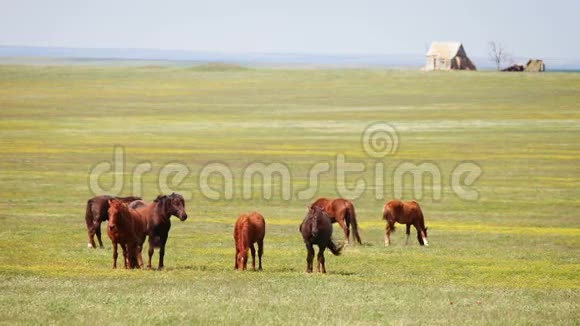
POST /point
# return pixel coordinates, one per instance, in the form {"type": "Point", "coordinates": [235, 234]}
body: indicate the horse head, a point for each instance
{"type": "Point", "coordinates": [173, 204]}
{"type": "Point", "coordinates": [116, 207]}
{"type": "Point", "coordinates": [422, 237]}
{"type": "Point", "coordinates": [314, 213]}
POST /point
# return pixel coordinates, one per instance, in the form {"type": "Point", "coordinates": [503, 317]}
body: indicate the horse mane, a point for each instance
{"type": "Point", "coordinates": [128, 199]}
{"type": "Point", "coordinates": [242, 233]}
{"type": "Point", "coordinates": [160, 198]}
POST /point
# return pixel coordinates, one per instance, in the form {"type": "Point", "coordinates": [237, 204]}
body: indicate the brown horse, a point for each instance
{"type": "Point", "coordinates": [128, 228]}
{"type": "Point", "coordinates": [157, 215]}
{"type": "Point", "coordinates": [121, 229]}
{"type": "Point", "coordinates": [96, 213]}
{"type": "Point", "coordinates": [316, 229]}
{"type": "Point", "coordinates": [342, 211]}
{"type": "Point", "coordinates": [249, 229]}
{"type": "Point", "coordinates": [408, 213]}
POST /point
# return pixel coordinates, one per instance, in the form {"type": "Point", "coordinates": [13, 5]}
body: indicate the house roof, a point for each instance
{"type": "Point", "coordinates": [445, 50]}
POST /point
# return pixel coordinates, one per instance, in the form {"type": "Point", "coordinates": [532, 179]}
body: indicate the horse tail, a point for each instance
{"type": "Point", "coordinates": [386, 213]}
{"type": "Point", "coordinates": [352, 216]}
{"type": "Point", "coordinates": [421, 217]}
{"type": "Point", "coordinates": [334, 248]}
{"type": "Point", "coordinates": [89, 213]}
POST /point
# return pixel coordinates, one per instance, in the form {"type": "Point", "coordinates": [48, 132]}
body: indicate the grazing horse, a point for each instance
{"type": "Point", "coordinates": [157, 215]}
{"type": "Point", "coordinates": [128, 228]}
{"type": "Point", "coordinates": [249, 229]}
{"type": "Point", "coordinates": [408, 213]}
{"type": "Point", "coordinates": [342, 211]}
{"type": "Point", "coordinates": [96, 213]}
{"type": "Point", "coordinates": [316, 229]}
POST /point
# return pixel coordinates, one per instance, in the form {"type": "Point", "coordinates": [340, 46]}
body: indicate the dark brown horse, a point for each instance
{"type": "Point", "coordinates": [97, 213]}
{"type": "Point", "coordinates": [342, 211]}
{"type": "Point", "coordinates": [316, 229]}
{"type": "Point", "coordinates": [129, 229]}
{"type": "Point", "coordinates": [408, 213]}
{"type": "Point", "coordinates": [157, 215]}
{"type": "Point", "coordinates": [249, 229]}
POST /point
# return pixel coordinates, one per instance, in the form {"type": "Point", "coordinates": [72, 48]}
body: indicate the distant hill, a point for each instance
{"type": "Point", "coordinates": [58, 55]}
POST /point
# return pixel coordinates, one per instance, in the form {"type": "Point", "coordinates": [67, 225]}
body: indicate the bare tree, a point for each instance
{"type": "Point", "coordinates": [497, 53]}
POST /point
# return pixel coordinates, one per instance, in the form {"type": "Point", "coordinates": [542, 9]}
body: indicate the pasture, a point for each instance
{"type": "Point", "coordinates": [510, 257]}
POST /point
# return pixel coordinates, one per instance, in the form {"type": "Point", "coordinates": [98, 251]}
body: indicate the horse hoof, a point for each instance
{"type": "Point", "coordinates": [89, 245]}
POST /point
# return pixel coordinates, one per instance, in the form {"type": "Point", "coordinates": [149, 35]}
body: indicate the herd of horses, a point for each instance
{"type": "Point", "coordinates": [130, 221]}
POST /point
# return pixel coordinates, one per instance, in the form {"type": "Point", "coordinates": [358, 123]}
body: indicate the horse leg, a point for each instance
{"type": "Point", "coordinates": [347, 224]}
{"type": "Point", "coordinates": [125, 256]}
{"type": "Point", "coordinates": [321, 267]}
{"type": "Point", "coordinates": [388, 233]}
{"type": "Point", "coordinates": [309, 258]}
{"type": "Point", "coordinates": [115, 254]}
{"type": "Point", "coordinates": [344, 227]}
{"type": "Point", "coordinates": [91, 231]}
{"type": "Point", "coordinates": [260, 252]}
{"type": "Point", "coordinates": [138, 251]}
{"type": "Point", "coordinates": [150, 252]}
{"type": "Point", "coordinates": [408, 232]}
{"type": "Point", "coordinates": [161, 256]}
{"type": "Point", "coordinates": [245, 260]}
{"type": "Point", "coordinates": [98, 233]}
{"type": "Point", "coordinates": [253, 251]}
{"type": "Point", "coordinates": [132, 253]}
{"type": "Point", "coordinates": [236, 258]}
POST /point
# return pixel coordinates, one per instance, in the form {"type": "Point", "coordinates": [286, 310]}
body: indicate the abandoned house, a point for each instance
{"type": "Point", "coordinates": [535, 65]}
{"type": "Point", "coordinates": [448, 56]}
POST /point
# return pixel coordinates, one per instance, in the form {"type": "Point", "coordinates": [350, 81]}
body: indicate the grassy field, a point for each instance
{"type": "Point", "coordinates": [511, 257]}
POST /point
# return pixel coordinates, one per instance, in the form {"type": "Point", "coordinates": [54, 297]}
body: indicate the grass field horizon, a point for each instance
{"type": "Point", "coordinates": [510, 257]}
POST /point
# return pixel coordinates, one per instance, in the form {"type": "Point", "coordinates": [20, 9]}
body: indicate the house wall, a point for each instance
{"type": "Point", "coordinates": [436, 63]}
{"type": "Point", "coordinates": [430, 64]}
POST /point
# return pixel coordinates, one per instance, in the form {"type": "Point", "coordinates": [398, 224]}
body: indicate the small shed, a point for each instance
{"type": "Point", "coordinates": [535, 65]}
{"type": "Point", "coordinates": [448, 56]}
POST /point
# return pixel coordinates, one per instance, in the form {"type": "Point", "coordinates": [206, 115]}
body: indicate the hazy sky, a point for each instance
{"type": "Point", "coordinates": [528, 28]}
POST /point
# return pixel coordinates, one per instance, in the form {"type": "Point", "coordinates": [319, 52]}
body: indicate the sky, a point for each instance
{"type": "Point", "coordinates": [529, 28]}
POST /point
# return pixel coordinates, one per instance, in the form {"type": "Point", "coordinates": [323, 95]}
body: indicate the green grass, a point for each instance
{"type": "Point", "coordinates": [515, 251]}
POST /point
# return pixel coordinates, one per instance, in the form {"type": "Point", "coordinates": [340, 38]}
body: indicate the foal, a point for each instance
{"type": "Point", "coordinates": [316, 229]}
{"type": "Point", "coordinates": [249, 229]}
{"type": "Point", "coordinates": [408, 213]}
